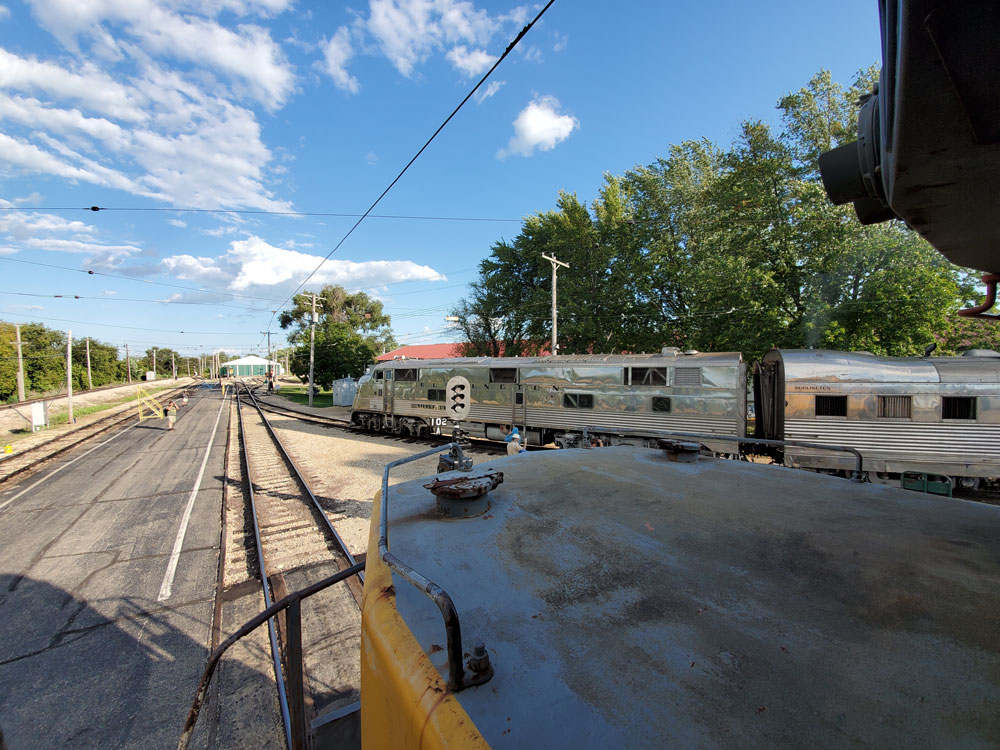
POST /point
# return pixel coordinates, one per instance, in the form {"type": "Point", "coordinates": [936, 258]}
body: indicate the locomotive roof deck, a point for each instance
{"type": "Point", "coordinates": [680, 358]}
{"type": "Point", "coordinates": [818, 365]}
{"type": "Point", "coordinates": [628, 601]}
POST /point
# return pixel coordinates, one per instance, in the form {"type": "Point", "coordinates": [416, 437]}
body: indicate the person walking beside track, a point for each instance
{"type": "Point", "coordinates": [171, 415]}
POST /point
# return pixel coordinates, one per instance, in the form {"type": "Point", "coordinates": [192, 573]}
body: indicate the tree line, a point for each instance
{"type": "Point", "coordinates": [725, 249]}
{"type": "Point", "coordinates": [43, 352]}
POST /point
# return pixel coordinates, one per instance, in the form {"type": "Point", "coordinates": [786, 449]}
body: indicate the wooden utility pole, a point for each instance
{"type": "Point", "coordinates": [312, 348]}
{"type": "Point", "coordinates": [20, 365]}
{"type": "Point", "coordinates": [128, 364]}
{"type": "Point", "coordinates": [90, 382]}
{"type": "Point", "coordinates": [173, 365]}
{"type": "Point", "coordinates": [69, 376]}
{"type": "Point", "coordinates": [555, 264]}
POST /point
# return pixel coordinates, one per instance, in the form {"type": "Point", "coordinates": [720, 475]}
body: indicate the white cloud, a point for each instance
{"type": "Point", "coordinates": [255, 264]}
{"type": "Point", "coordinates": [539, 126]}
{"type": "Point", "coordinates": [246, 55]}
{"type": "Point", "coordinates": [560, 43]}
{"type": "Point", "coordinates": [491, 88]}
{"type": "Point", "coordinates": [177, 223]}
{"type": "Point", "coordinates": [371, 158]}
{"type": "Point", "coordinates": [109, 293]}
{"type": "Point", "coordinates": [470, 62]}
{"type": "Point", "coordinates": [20, 226]}
{"type": "Point", "coordinates": [409, 32]}
{"type": "Point", "coordinates": [532, 54]}
{"type": "Point", "coordinates": [4, 12]}
{"type": "Point", "coordinates": [25, 307]}
{"type": "Point", "coordinates": [337, 52]}
{"type": "Point", "coordinates": [155, 134]}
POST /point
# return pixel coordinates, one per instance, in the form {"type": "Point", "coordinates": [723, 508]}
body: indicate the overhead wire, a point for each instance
{"type": "Point", "coordinates": [399, 176]}
{"type": "Point", "coordinates": [261, 212]}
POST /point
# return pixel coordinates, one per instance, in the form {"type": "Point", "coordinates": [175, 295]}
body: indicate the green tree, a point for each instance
{"type": "Point", "coordinates": [352, 330]}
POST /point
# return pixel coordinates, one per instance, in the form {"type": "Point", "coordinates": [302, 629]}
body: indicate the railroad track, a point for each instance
{"type": "Point", "coordinates": [295, 545]}
{"type": "Point", "coordinates": [29, 459]}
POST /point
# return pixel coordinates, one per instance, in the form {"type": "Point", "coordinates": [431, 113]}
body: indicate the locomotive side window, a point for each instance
{"type": "Point", "coordinates": [406, 376]}
{"type": "Point", "coordinates": [435, 394]}
{"type": "Point", "coordinates": [894, 407]}
{"type": "Point", "coordinates": [379, 374]}
{"type": "Point", "coordinates": [503, 374]}
{"type": "Point", "coordinates": [661, 403]}
{"type": "Point", "coordinates": [578, 400]}
{"type": "Point", "coordinates": [518, 398]}
{"type": "Point", "coordinates": [687, 376]}
{"type": "Point", "coordinates": [831, 406]}
{"type": "Point", "coordinates": [958, 407]}
{"type": "Point", "coordinates": [649, 376]}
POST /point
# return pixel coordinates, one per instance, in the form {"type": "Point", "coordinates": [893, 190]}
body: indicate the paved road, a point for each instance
{"type": "Point", "coordinates": [107, 580]}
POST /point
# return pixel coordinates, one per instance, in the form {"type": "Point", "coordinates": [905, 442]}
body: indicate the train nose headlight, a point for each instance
{"type": "Point", "coordinates": [852, 172]}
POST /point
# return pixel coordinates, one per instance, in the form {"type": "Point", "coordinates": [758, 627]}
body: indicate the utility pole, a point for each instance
{"type": "Point", "coordinates": [128, 364]}
{"type": "Point", "coordinates": [154, 363]}
{"type": "Point", "coordinates": [312, 348]}
{"type": "Point", "coordinates": [555, 264]}
{"type": "Point", "coordinates": [173, 365]}
{"type": "Point", "coordinates": [20, 365]}
{"type": "Point", "coordinates": [90, 383]}
{"type": "Point", "coordinates": [69, 376]}
{"type": "Point", "coordinates": [269, 366]}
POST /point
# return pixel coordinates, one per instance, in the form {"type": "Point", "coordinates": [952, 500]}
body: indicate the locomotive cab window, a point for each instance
{"type": "Point", "coordinates": [406, 376]}
{"type": "Point", "coordinates": [894, 407]}
{"type": "Point", "coordinates": [435, 394]}
{"type": "Point", "coordinates": [518, 398]}
{"type": "Point", "coordinates": [831, 406]}
{"type": "Point", "coordinates": [649, 376]}
{"type": "Point", "coordinates": [578, 400]}
{"type": "Point", "coordinates": [958, 407]}
{"type": "Point", "coordinates": [661, 403]}
{"type": "Point", "coordinates": [379, 374]}
{"type": "Point", "coordinates": [503, 374]}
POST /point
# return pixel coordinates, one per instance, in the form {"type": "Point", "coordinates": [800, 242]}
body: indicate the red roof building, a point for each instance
{"type": "Point", "coordinates": [423, 351]}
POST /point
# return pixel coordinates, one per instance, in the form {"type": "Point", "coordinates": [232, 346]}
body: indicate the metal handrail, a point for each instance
{"type": "Point", "coordinates": [293, 600]}
{"type": "Point", "coordinates": [856, 475]}
{"type": "Point", "coordinates": [453, 628]}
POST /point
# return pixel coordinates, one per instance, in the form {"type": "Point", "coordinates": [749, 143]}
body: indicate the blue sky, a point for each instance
{"type": "Point", "coordinates": [228, 106]}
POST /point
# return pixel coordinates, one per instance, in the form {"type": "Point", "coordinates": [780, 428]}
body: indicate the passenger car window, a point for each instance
{"type": "Point", "coordinates": [578, 400]}
{"type": "Point", "coordinates": [649, 376]}
{"type": "Point", "coordinates": [503, 374]}
{"type": "Point", "coordinates": [958, 407]}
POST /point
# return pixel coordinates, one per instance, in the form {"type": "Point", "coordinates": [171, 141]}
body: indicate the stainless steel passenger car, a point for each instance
{"type": "Point", "coordinates": [936, 415]}
{"type": "Point", "coordinates": [552, 399]}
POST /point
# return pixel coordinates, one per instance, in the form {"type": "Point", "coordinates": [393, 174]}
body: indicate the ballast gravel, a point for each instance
{"type": "Point", "coordinates": [344, 470]}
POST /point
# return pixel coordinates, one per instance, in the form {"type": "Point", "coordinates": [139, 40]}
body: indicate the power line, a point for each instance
{"type": "Point", "coordinates": [135, 328]}
{"type": "Point", "coordinates": [260, 212]}
{"type": "Point", "coordinates": [128, 299]}
{"type": "Point", "coordinates": [441, 127]}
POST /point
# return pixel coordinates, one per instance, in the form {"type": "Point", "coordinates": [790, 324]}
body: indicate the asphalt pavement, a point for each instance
{"type": "Point", "coordinates": [108, 564]}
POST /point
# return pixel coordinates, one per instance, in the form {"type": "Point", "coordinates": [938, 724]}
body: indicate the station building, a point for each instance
{"type": "Point", "coordinates": [246, 367]}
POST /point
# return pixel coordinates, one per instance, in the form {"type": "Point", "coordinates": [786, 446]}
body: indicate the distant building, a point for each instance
{"type": "Point", "coordinates": [423, 351]}
{"type": "Point", "coordinates": [252, 366]}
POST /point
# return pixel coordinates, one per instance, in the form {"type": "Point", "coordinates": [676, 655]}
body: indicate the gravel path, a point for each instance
{"type": "Point", "coordinates": [345, 469]}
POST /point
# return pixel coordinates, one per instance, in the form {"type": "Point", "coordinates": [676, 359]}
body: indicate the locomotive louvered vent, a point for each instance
{"type": "Point", "coordinates": [894, 407]}
{"type": "Point", "coordinates": [687, 376]}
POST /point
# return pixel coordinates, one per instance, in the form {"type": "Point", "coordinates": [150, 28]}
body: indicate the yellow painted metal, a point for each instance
{"type": "Point", "coordinates": [147, 402]}
{"type": "Point", "coordinates": [405, 704]}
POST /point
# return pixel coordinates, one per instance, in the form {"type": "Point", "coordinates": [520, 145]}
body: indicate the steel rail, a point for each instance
{"type": "Point", "coordinates": [279, 677]}
{"type": "Point", "coordinates": [112, 420]}
{"type": "Point", "coordinates": [342, 546]}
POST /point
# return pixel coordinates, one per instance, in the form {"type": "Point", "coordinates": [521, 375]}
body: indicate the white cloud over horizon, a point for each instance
{"type": "Point", "coordinates": [539, 126]}
{"type": "Point", "coordinates": [253, 263]}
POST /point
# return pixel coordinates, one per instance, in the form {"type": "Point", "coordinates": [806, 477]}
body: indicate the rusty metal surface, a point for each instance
{"type": "Point", "coordinates": [461, 487]}
{"type": "Point", "coordinates": [628, 601]}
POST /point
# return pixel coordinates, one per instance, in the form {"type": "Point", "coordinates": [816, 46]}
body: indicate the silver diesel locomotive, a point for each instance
{"type": "Point", "coordinates": [552, 399]}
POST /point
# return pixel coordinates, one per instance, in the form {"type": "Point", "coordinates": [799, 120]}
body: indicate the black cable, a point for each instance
{"type": "Point", "coordinates": [252, 212]}
{"type": "Point", "coordinates": [441, 127]}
